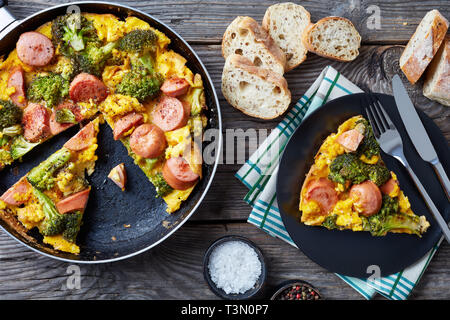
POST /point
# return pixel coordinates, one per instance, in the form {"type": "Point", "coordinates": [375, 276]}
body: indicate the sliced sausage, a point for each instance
{"type": "Point", "coordinates": [76, 201]}
{"type": "Point", "coordinates": [125, 123]}
{"type": "Point", "coordinates": [148, 141]}
{"type": "Point", "coordinates": [35, 49]}
{"type": "Point", "coordinates": [20, 187]}
{"type": "Point", "coordinates": [175, 87]}
{"type": "Point", "coordinates": [119, 176]}
{"type": "Point", "coordinates": [85, 86]}
{"type": "Point", "coordinates": [187, 108]}
{"type": "Point", "coordinates": [367, 198]}
{"type": "Point", "coordinates": [322, 191]}
{"type": "Point", "coordinates": [178, 174]}
{"type": "Point", "coordinates": [169, 114]}
{"type": "Point", "coordinates": [389, 186]}
{"type": "Point", "coordinates": [35, 122]}
{"type": "Point", "coordinates": [83, 139]}
{"type": "Point", "coordinates": [17, 80]}
{"type": "Point", "coordinates": [350, 140]}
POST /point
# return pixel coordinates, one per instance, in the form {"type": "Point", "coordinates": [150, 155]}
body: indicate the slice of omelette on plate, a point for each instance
{"type": "Point", "coordinates": [52, 197]}
{"type": "Point", "coordinates": [349, 186]}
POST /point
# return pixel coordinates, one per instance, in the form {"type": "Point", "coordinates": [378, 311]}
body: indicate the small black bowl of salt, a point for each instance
{"type": "Point", "coordinates": [234, 268]}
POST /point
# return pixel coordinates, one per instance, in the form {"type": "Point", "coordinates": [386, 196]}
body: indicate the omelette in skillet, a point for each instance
{"type": "Point", "coordinates": [79, 65]}
{"type": "Point", "coordinates": [349, 187]}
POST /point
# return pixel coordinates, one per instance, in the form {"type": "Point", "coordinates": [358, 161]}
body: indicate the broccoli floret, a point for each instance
{"type": "Point", "coordinates": [73, 224]}
{"type": "Point", "coordinates": [140, 86]}
{"type": "Point", "coordinates": [71, 32]}
{"type": "Point", "coordinates": [330, 222]}
{"type": "Point", "coordinates": [51, 88]}
{"type": "Point", "coordinates": [54, 222]}
{"type": "Point", "coordinates": [162, 187]}
{"type": "Point", "coordinates": [20, 147]}
{"type": "Point", "coordinates": [41, 176]}
{"type": "Point", "coordinates": [369, 145]}
{"type": "Point", "coordinates": [10, 114]}
{"type": "Point", "coordinates": [93, 58]}
{"type": "Point", "coordinates": [378, 174]}
{"type": "Point", "coordinates": [347, 167]}
{"type": "Point", "coordinates": [65, 116]}
{"type": "Point", "coordinates": [389, 218]}
{"type": "Point", "coordinates": [5, 157]}
{"type": "Point", "coordinates": [138, 41]}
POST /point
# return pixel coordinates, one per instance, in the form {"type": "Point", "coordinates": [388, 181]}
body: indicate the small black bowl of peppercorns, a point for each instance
{"type": "Point", "coordinates": [296, 290]}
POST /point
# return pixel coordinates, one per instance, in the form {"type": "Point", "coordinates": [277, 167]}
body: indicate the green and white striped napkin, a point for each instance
{"type": "Point", "coordinates": [259, 174]}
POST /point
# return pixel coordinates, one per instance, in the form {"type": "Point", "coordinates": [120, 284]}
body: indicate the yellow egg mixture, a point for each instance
{"type": "Point", "coordinates": [347, 214]}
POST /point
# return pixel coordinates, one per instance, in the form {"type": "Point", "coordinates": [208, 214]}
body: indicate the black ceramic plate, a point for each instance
{"type": "Point", "coordinates": [109, 209]}
{"type": "Point", "coordinates": [347, 252]}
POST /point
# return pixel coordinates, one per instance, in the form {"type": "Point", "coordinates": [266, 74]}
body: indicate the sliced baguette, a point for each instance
{"type": "Point", "coordinates": [285, 23]}
{"type": "Point", "coordinates": [333, 37]}
{"type": "Point", "coordinates": [255, 91]}
{"type": "Point", "coordinates": [423, 45]}
{"type": "Point", "coordinates": [244, 36]}
{"type": "Point", "coordinates": [437, 84]}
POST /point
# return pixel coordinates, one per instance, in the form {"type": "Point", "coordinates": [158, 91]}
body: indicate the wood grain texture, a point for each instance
{"type": "Point", "coordinates": [173, 269]}
{"type": "Point", "coordinates": [207, 20]}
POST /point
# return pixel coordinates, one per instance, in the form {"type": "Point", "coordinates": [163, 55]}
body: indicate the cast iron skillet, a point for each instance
{"type": "Point", "coordinates": [110, 211]}
{"type": "Point", "coordinates": [346, 252]}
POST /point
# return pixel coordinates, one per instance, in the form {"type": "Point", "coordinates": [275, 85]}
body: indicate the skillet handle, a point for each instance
{"type": "Point", "coordinates": [6, 17]}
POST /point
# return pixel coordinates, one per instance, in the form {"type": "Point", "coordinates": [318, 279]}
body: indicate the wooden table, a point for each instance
{"type": "Point", "coordinates": [173, 269]}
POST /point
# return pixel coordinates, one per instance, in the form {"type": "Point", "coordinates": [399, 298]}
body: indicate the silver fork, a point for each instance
{"type": "Point", "coordinates": [391, 143]}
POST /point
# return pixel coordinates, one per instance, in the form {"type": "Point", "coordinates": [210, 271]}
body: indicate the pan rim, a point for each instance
{"type": "Point", "coordinates": [12, 27]}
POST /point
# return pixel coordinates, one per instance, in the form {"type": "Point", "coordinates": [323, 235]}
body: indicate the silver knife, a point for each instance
{"type": "Point", "coordinates": [416, 131]}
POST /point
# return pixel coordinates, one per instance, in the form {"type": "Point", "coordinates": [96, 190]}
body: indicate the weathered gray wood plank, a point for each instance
{"type": "Point", "coordinates": [207, 20]}
{"type": "Point", "coordinates": [174, 270]}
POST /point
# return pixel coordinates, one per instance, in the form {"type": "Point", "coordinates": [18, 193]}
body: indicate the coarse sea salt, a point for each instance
{"type": "Point", "coordinates": [234, 267]}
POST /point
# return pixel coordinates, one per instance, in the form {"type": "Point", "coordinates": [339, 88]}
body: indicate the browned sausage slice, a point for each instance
{"type": "Point", "coordinates": [56, 127]}
{"type": "Point", "coordinates": [367, 198]}
{"type": "Point", "coordinates": [322, 191]}
{"type": "Point", "coordinates": [350, 140]}
{"type": "Point", "coordinates": [169, 114]}
{"type": "Point", "coordinates": [175, 87]}
{"type": "Point", "coordinates": [76, 201]}
{"type": "Point", "coordinates": [85, 86]}
{"type": "Point", "coordinates": [35, 122]}
{"type": "Point", "coordinates": [83, 139]}
{"type": "Point", "coordinates": [148, 141]}
{"type": "Point", "coordinates": [119, 176]}
{"type": "Point", "coordinates": [17, 80]}
{"type": "Point", "coordinates": [389, 186]}
{"type": "Point", "coordinates": [178, 174]}
{"type": "Point", "coordinates": [35, 49]}
{"type": "Point", "coordinates": [125, 124]}
{"type": "Point", "coordinates": [20, 187]}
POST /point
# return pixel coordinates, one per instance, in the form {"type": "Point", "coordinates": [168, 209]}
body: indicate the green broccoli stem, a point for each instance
{"type": "Point", "coordinates": [54, 222]}
{"type": "Point", "coordinates": [41, 176]}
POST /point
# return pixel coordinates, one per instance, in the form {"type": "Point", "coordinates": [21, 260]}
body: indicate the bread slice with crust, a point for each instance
{"type": "Point", "coordinates": [255, 91]}
{"type": "Point", "coordinates": [437, 84]}
{"type": "Point", "coordinates": [285, 23]}
{"type": "Point", "coordinates": [244, 36]}
{"type": "Point", "coordinates": [333, 37]}
{"type": "Point", "coordinates": [423, 45]}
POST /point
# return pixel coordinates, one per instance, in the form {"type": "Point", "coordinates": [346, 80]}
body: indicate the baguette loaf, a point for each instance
{"type": "Point", "coordinates": [285, 23]}
{"type": "Point", "coordinates": [423, 45]}
{"type": "Point", "coordinates": [255, 91]}
{"type": "Point", "coordinates": [437, 84]}
{"type": "Point", "coordinates": [244, 36]}
{"type": "Point", "coordinates": [333, 37]}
